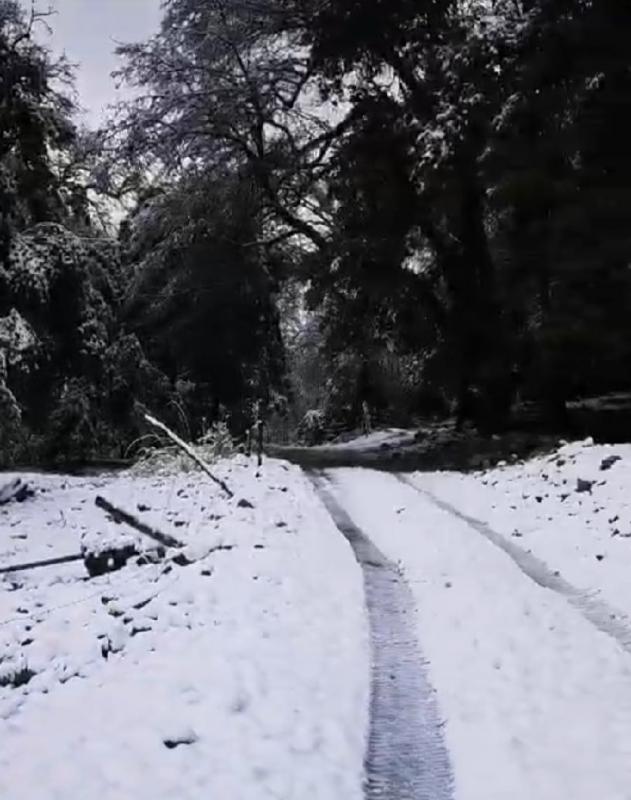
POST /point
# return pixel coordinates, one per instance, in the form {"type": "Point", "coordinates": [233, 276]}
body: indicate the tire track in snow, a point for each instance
{"type": "Point", "coordinates": [406, 756]}
{"type": "Point", "coordinates": [599, 613]}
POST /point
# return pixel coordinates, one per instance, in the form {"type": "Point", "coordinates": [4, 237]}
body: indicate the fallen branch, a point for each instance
{"type": "Point", "coordinates": [189, 451]}
{"type": "Point", "coordinates": [183, 560]}
{"type": "Point", "coordinates": [118, 515]}
{"type": "Point", "coordinates": [49, 562]}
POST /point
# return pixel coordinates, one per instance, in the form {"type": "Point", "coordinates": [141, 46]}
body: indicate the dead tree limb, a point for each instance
{"type": "Point", "coordinates": [118, 515]}
{"type": "Point", "coordinates": [49, 562]}
{"type": "Point", "coordinates": [189, 451]}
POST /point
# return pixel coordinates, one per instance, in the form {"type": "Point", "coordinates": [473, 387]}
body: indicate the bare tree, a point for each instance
{"type": "Point", "coordinates": [229, 84]}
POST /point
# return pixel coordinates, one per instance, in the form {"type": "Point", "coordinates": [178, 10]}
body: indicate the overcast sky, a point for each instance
{"type": "Point", "coordinates": [88, 31]}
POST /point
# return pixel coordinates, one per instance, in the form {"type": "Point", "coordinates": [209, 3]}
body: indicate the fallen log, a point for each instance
{"type": "Point", "coordinates": [119, 515]}
{"type": "Point", "coordinates": [189, 451]}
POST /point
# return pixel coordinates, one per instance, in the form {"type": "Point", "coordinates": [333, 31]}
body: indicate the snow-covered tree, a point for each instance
{"type": "Point", "coordinates": [227, 84]}
{"type": "Point", "coordinates": [61, 293]}
{"type": "Point", "coordinates": [203, 295]}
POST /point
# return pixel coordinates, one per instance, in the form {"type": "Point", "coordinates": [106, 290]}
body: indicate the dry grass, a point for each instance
{"type": "Point", "coordinates": [157, 455]}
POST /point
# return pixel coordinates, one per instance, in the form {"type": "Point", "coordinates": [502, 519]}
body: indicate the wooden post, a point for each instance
{"type": "Point", "coordinates": [366, 425]}
{"type": "Point", "coordinates": [259, 441]}
{"type": "Point", "coordinates": [258, 424]}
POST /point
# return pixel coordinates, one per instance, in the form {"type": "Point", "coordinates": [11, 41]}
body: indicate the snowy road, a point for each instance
{"type": "Point", "coordinates": [399, 635]}
{"type": "Point", "coordinates": [406, 756]}
{"type": "Point", "coordinates": [536, 699]}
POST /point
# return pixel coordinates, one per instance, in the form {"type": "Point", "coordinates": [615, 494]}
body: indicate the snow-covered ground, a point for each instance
{"type": "Point", "coordinates": [245, 674]}
{"type": "Point", "coordinates": [571, 509]}
{"type": "Point", "coordinates": [535, 698]}
{"type": "Point", "coordinates": [242, 675]}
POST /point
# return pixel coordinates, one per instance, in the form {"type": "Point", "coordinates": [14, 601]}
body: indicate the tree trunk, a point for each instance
{"type": "Point", "coordinates": [488, 341]}
{"type": "Point", "coordinates": [556, 415]}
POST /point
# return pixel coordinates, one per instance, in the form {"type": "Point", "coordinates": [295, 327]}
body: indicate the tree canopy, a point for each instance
{"type": "Point", "coordinates": [420, 205]}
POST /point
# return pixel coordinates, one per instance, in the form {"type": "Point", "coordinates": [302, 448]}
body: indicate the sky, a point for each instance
{"type": "Point", "coordinates": [88, 31]}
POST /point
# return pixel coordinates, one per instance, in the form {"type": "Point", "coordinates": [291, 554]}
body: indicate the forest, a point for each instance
{"type": "Point", "coordinates": [310, 207]}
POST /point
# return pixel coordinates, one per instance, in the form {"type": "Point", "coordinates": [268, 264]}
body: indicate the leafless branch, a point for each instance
{"type": "Point", "coordinates": [189, 452]}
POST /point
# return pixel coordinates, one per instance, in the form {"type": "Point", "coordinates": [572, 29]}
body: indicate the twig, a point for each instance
{"type": "Point", "coordinates": [182, 560]}
{"type": "Point", "coordinates": [118, 515]}
{"type": "Point", "coordinates": [189, 451]}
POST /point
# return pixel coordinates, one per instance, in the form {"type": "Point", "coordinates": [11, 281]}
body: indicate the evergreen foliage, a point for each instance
{"type": "Point", "coordinates": [422, 206]}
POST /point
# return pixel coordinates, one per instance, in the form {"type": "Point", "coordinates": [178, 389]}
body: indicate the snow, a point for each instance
{"type": "Point", "coordinates": [536, 700]}
{"type": "Point", "coordinates": [617, 401]}
{"type": "Point", "coordinates": [245, 673]}
{"type": "Point", "coordinates": [584, 535]}
{"type": "Point", "coordinates": [392, 437]}
{"type": "Point", "coordinates": [16, 336]}
{"type": "Point", "coordinates": [242, 675]}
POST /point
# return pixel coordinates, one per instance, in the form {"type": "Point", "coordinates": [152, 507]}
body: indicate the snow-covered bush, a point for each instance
{"type": "Point", "coordinates": [72, 428]}
{"type": "Point", "coordinates": [17, 344]}
{"type": "Point", "coordinates": [10, 415]}
{"type": "Point", "coordinates": [70, 376]}
{"type": "Point", "coordinates": [312, 430]}
{"type": "Point", "coordinates": [217, 441]}
{"type": "Point", "coordinates": [157, 455]}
